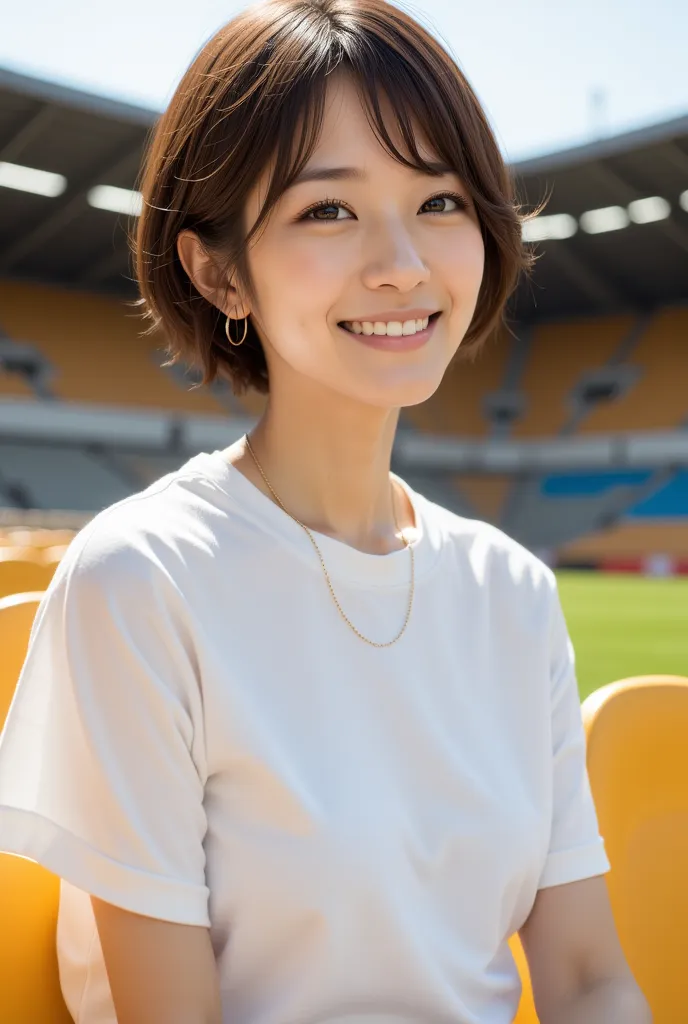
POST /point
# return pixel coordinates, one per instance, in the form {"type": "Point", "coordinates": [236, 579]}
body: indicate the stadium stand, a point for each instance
{"type": "Point", "coordinates": [659, 399]}
{"type": "Point", "coordinates": [657, 523]}
{"type": "Point", "coordinates": [93, 351]}
{"type": "Point", "coordinates": [13, 384]}
{"type": "Point", "coordinates": [649, 548]}
{"type": "Point", "coordinates": [486, 495]}
{"type": "Point", "coordinates": [44, 469]}
{"type": "Point", "coordinates": [560, 355]}
{"type": "Point", "coordinates": [569, 431]}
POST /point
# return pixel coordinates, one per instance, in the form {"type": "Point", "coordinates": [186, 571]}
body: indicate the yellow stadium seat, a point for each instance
{"type": "Point", "coordinates": [17, 613]}
{"type": "Point", "coordinates": [526, 1008]}
{"type": "Point", "coordinates": [29, 895]}
{"type": "Point", "coordinates": [636, 738]}
{"type": "Point", "coordinates": [23, 569]}
{"type": "Point", "coordinates": [29, 978]}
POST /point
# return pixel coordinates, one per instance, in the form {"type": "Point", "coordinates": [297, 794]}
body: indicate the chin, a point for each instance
{"type": "Point", "coordinates": [399, 389]}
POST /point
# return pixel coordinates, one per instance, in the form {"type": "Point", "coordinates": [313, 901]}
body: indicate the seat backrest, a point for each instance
{"type": "Point", "coordinates": [17, 612]}
{"type": "Point", "coordinates": [29, 977]}
{"type": "Point", "coordinates": [637, 755]}
{"type": "Point", "coordinates": [23, 570]}
{"type": "Point", "coordinates": [526, 1008]}
{"type": "Point", "coordinates": [29, 895]}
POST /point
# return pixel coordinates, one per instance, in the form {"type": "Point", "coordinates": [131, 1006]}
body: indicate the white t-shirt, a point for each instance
{"type": "Point", "coordinates": [198, 736]}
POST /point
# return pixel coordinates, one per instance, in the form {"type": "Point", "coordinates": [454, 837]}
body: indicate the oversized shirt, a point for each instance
{"type": "Point", "coordinates": [198, 736]}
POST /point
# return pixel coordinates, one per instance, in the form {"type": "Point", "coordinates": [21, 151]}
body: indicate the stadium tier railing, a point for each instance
{"type": "Point", "coordinates": [157, 430]}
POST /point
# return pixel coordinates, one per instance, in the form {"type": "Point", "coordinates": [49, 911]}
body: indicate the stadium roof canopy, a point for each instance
{"type": "Point", "coordinates": [613, 236]}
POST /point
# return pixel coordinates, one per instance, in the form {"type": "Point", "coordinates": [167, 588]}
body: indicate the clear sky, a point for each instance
{"type": "Point", "coordinates": [535, 64]}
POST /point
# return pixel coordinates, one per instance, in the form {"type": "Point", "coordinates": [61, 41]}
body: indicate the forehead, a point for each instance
{"type": "Point", "coordinates": [346, 123]}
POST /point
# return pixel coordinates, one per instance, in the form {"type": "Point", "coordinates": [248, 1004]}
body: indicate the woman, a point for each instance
{"type": "Point", "coordinates": [302, 745]}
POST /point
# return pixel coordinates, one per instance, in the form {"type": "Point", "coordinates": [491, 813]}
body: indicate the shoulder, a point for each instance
{"type": "Point", "coordinates": [491, 556]}
{"type": "Point", "coordinates": [514, 590]}
{"type": "Point", "coordinates": [138, 542]}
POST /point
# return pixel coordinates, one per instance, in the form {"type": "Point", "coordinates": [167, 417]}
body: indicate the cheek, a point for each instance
{"type": "Point", "coordinates": [465, 265]}
{"type": "Point", "coordinates": [309, 275]}
{"type": "Point", "coordinates": [297, 286]}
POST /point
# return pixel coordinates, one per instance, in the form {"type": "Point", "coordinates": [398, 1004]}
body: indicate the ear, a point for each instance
{"type": "Point", "coordinates": [206, 277]}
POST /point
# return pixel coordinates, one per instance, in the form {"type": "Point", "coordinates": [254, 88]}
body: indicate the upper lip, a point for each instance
{"type": "Point", "coordinates": [392, 314]}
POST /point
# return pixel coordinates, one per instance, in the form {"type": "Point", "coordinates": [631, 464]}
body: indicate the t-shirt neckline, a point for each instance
{"type": "Point", "coordinates": [343, 561]}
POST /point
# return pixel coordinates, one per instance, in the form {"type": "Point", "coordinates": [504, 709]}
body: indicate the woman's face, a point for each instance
{"type": "Point", "coordinates": [386, 244]}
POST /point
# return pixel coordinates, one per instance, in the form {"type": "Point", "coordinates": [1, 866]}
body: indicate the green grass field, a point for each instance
{"type": "Point", "coordinates": [625, 625]}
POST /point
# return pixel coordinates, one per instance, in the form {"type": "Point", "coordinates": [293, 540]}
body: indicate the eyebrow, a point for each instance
{"type": "Point", "coordinates": [435, 169]}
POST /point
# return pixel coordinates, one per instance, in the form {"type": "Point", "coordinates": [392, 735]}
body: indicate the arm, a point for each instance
{"type": "Point", "coordinates": [159, 972]}
{"type": "Point", "coordinates": [606, 1003]}
{"type": "Point", "coordinates": [577, 966]}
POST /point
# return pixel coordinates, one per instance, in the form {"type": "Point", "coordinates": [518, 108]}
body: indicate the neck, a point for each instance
{"type": "Point", "coordinates": [329, 463]}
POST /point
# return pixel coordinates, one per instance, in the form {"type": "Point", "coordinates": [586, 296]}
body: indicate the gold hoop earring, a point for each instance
{"type": "Point", "coordinates": [243, 336]}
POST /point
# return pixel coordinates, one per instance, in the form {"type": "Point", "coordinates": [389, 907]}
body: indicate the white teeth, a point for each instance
{"type": "Point", "coordinates": [392, 328]}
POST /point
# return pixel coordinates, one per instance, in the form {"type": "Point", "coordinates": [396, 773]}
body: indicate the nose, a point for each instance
{"type": "Point", "coordinates": [394, 259]}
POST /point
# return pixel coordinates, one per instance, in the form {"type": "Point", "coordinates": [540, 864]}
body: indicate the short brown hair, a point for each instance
{"type": "Point", "coordinates": [253, 85]}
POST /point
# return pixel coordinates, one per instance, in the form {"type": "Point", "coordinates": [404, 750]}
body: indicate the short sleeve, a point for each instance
{"type": "Point", "coordinates": [576, 848]}
{"type": "Point", "coordinates": [101, 759]}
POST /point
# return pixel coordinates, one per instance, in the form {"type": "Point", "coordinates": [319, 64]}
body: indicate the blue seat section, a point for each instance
{"type": "Point", "coordinates": [669, 502]}
{"type": "Point", "coordinates": [583, 485]}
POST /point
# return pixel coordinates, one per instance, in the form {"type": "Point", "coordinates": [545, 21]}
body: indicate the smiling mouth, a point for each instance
{"type": "Point", "coordinates": [391, 329]}
{"type": "Point", "coordinates": [397, 341]}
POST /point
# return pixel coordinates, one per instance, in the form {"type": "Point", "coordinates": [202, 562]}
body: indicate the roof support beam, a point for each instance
{"type": "Point", "coordinates": [676, 157]}
{"type": "Point", "coordinates": [591, 282]}
{"type": "Point", "coordinates": [69, 205]}
{"type": "Point", "coordinates": [12, 147]}
{"type": "Point", "coordinates": [623, 187]}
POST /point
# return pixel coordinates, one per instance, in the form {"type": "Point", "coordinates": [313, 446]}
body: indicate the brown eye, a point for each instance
{"type": "Point", "coordinates": [328, 207]}
{"type": "Point", "coordinates": [327, 212]}
{"type": "Point", "coordinates": [452, 197]}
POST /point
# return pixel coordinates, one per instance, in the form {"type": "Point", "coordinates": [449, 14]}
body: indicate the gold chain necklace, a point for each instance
{"type": "Point", "coordinates": [324, 567]}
